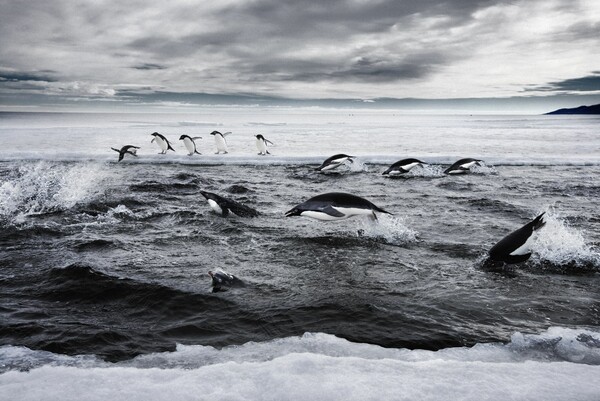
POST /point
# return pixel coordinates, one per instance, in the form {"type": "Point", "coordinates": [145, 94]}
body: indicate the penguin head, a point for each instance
{"type": "Point", "coordinates": [259, 136]}
{"type": "Point", "coordinates": [215, 133]}
{"type": "Point", "coordinates": [293, 212]}
{"type": "Point", "coordinates": [182, 137]}
{"type": "Point", "coordinates": [155, 134]}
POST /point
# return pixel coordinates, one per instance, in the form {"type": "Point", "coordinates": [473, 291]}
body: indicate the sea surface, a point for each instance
{"type": "Point", "coordinates": [104, 291]}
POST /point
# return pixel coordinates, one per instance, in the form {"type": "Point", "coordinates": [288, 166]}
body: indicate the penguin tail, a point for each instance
{"type": "Point", "coordinates": [539, 222]}
{"type": "Point", "coordinates": [195, 151]}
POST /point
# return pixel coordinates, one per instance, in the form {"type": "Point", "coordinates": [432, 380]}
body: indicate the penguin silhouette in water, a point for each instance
{"type": "Point", "coordinates": [516, 246]}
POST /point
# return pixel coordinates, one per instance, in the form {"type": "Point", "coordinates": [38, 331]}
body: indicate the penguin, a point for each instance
{"type": "Point", "coordinates": [515, 247]}
{"type": "Point", "coordinates": [222, 281]}
{"type": "Point", "coordinates": [462, 166]}
{"type": "Point", "coordinates": [222, 206]}
{"type": "Point", "coordinates": [189, 143]}
{"type": "Point", "coordinates": [162, 142]}
{"type": "Point", "coordinates": [335, 206]}
{"type": "Point", "coordinates": [335, 161]}
{"type": "Point", "coordinates": [132, 150]}
{"type": "Point", "coordinates": [403, 166]}
{"type": "Point", "coordinates": [220, 141]}
{"type": "Point", "coordinates": [261, 145]}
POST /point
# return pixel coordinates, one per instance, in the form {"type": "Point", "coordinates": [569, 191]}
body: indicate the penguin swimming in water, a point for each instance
{"type": "Point", "coordinates": [462, 166]}
{"type": "Point", "coordinates": [189, 143]}
{"type": "Point", "coordinates": [222, 206]}
{"type": "Point", "coordinates": [222, 281]}
{"type": "Point", "coordinates": [220, 141]}
{"type": "Point", "coordinates": [335, 206]}
{"type": "Point", "coordinates": [162, 142]}
{"type": "Point", "coordinates": [261, 145]}
{"type": "Point", "coordinates": [403, 166]}
{"type": "Point", "coordinates": [335, 161]}
{"type": "Point", "coordinates": [132, 150]}
{"type": "Point", "coordinates": [515, 247]}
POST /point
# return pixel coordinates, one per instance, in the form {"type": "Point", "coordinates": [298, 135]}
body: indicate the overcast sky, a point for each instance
{"type": "Point", "coordinates": [180, 51]}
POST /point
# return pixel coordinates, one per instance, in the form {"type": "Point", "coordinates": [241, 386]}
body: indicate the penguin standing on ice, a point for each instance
{"type": "Point", "coordinates": [220, 141]}
{"type": "Point", "coordinates": [334, 162]}
{"type": "Point", "coordinates": [261, 145]}
{"type": "Point", "coordinates": [515, 247]}
{"type": "Point", "coordinates": [130, 149]}
{"type": "Point", "coordinates": [189, 143]}
{"type": "Point", "coordinates": [162, 142]}
{"type": "Point", "coordinates": [462, 166]}
{"type": "Point", "coordinates": [402, 167]}
{"type": "Point", "coordinates": [335, 206]}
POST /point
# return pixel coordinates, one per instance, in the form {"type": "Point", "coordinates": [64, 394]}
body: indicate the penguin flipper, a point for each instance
{"type": "Point", "coordinates": [242, 210]}
{"type": "Point", "coordinates": [330, 210]}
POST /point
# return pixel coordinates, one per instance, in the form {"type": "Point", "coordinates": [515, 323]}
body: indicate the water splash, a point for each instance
{"type": "Point", "coordinates": [357, 166]}
{"type": "Point", "coordinates": [484, 169]}
{"type": "Point", "coordinates": [558, 244]}
{"type": "Point", "coordinates": [45, 187]}
{"type": "Point", "coordinates": [426, 171]}
{"type": "Point", "coordinates": [391, 229]}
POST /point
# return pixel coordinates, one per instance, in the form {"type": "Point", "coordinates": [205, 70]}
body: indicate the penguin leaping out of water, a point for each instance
{"type": "Point", "coordinates": [222, 206]}
{"type": "Point", "coordinates": [189, 143]}
{"type": "Point", "coordinates": [402, 167]}
{"type": "Point", "coordinates": [335, 206]}
{"type": "Point", "coordinates": [335, 161]}
{"type": "Point", "coordinates": [162, 142]}
{"type": "Point", "coordinates": [462, 166]}
{"type": "Point", "coordinates": [220, 141]}
{"type": "Point", "coordinates": [516, 246]}
{"type": "Point", "coordinates": [130, 149]}
{"type": "Point", "coordinates": [261, 145]}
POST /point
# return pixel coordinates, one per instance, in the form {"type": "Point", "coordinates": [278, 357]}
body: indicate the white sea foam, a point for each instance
{"type": "Point", "coordinates": [558, 364]}
{"type": "Point", "coordinates": [392, 229]}
{"type": "Point", "coordinates": [560, 244]}
{"type": "Point", "coordinates": [45, 187]}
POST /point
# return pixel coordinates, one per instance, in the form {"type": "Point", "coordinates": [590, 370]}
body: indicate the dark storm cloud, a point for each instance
{"type": "Point", "coordinates": [583, 84]}
{"type": "Point", "coordinates": [367, 70]}
{"type": "Point", "coordinates": [149, 66]}
{"type": "Point", "coordinates": [25, 76]}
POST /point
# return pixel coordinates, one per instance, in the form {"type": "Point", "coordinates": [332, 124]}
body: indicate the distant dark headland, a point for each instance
{"type": "Point", "coordinates": [595, 109]}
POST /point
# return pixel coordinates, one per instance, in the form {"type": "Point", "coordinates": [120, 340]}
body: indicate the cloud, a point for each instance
{"type": "Point", "coordinates": [149, 66]}
{"type": "Point", "coordinates": [588, 83]}
{"type": "Point", "coordinates": [297, 48]}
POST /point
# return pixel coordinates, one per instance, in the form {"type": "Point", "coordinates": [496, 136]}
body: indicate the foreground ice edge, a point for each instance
{"type": "Point", "coordinates": [560, 363]}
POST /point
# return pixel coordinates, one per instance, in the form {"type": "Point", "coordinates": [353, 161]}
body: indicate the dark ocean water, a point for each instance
{"type": "Point", "coordinates": [112, 259]}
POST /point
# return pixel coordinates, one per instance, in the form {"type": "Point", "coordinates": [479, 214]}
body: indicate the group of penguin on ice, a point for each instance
{"type": "Point", "coordinates": [513, 248]}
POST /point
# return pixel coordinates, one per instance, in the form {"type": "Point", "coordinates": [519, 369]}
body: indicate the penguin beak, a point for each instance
{"type": "Point", "coordinates": [293, 212]}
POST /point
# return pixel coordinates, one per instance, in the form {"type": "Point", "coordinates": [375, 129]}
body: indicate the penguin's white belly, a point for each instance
{"type": "Point", "coordinates": [410, 166]}
{"type": "Point", "coordinates": [353, 211]}
{"type": "Point", "coordinates": [215, 206]}
{"type": "Point", "coordinates": [523, 249]}
{"type": "Point", "coordinates": [162, 144]}
{"type": "Point", "coordinates": [321, 216]}
{"type": "Point", "coordinates": [221, 143]}
{"type": "Point", "coordinates": [189, 145]}
{"type": "Point", "coordinates": [468, 165]}
{"type": "Point", "coordinates": [261, 146]}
